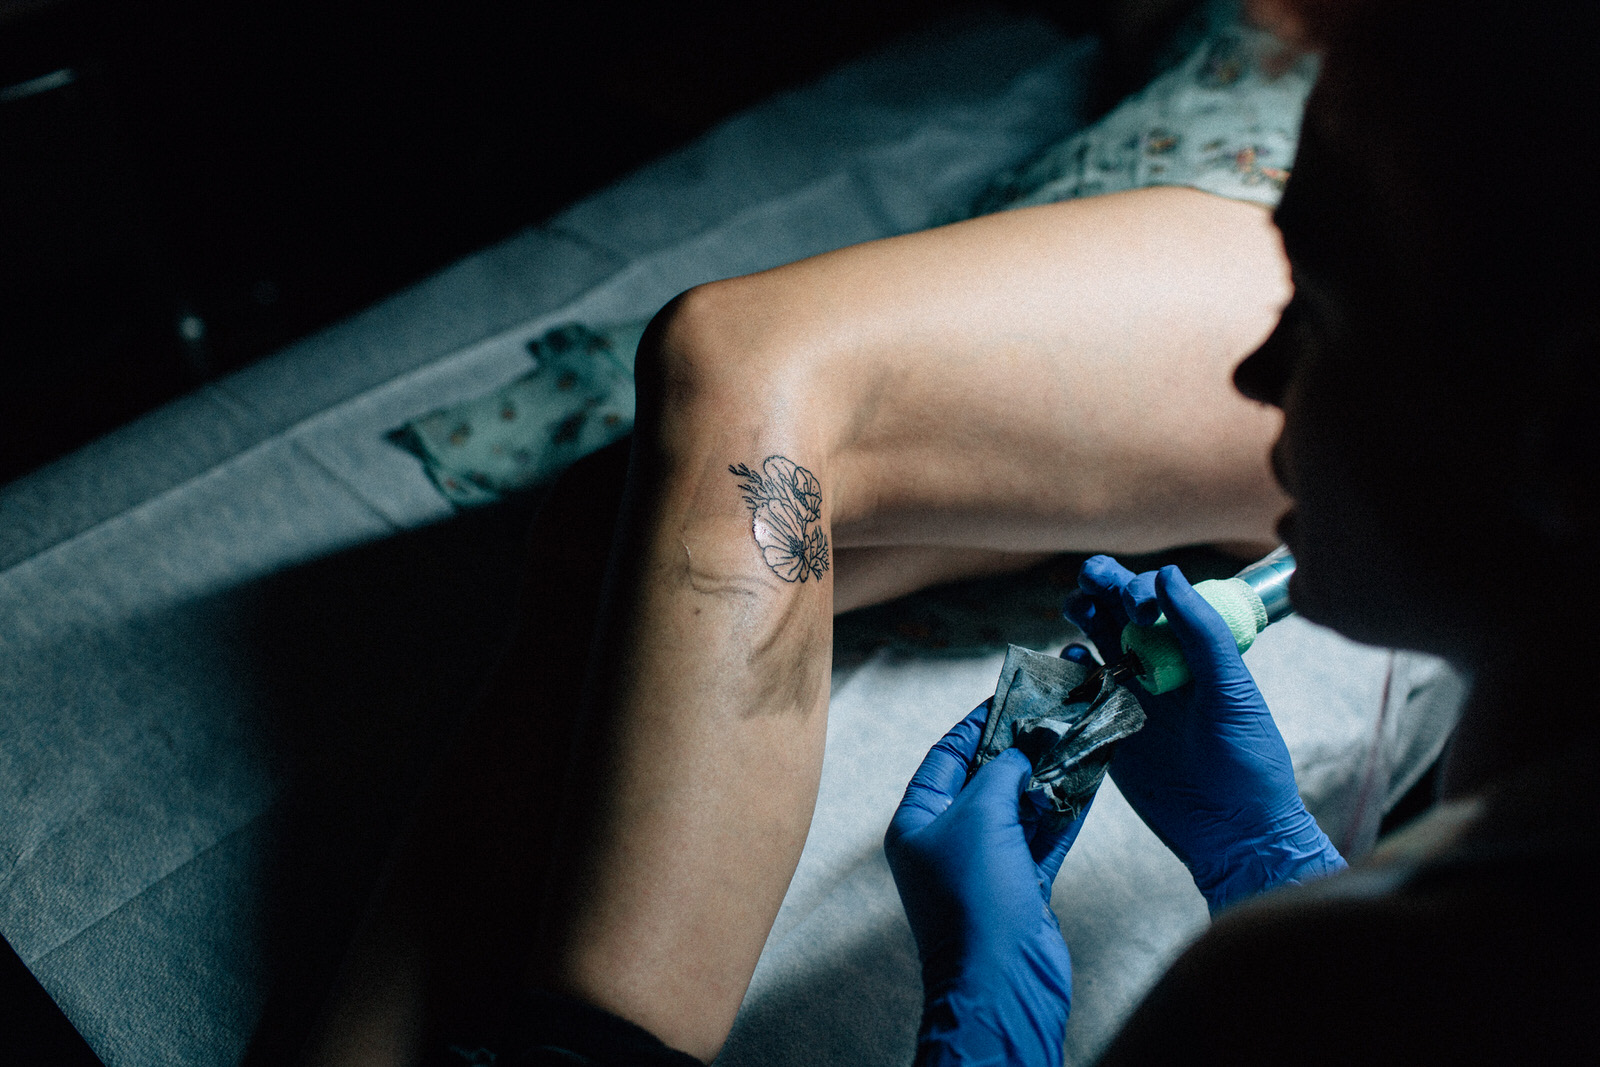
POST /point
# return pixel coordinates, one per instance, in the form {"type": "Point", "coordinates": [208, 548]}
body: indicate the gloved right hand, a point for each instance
{"type": "Point", "coordinates": [1209, 773]}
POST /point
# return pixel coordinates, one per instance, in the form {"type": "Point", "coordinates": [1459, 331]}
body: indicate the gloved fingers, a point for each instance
{"type": "Point", "coordinates": [1139, 600]}
{"type": "Point", "coordinates": [1078, 608]}
{"type": "Point", "coordinates": [1079, 654]}
{"type": "Point", "coordinates": [941, 776]}
{"type": "Point", "coordinates": [1208, 644]}
{"type": "Point", "coordinates": [1049, 847]}
{"type": "Point", "coordinates": [1103, 577]}
{"type": "Point", "coordinates": [997, 789]}
{"type": "Point", "coordinates": [1097, 608]}
{"type": "Point", "coordinates": [1099, 623]}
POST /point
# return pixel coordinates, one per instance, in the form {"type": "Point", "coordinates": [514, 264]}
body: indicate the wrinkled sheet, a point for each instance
{"type": "Point", "coordinates": [232, 632]}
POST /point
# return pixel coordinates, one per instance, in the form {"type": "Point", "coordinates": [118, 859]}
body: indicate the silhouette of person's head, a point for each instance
{"type": "Point", "coordinates": [1437, 365]}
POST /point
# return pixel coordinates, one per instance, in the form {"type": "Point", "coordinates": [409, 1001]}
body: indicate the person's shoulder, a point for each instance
{"type": "Point", "coordinates": [1465, 937]}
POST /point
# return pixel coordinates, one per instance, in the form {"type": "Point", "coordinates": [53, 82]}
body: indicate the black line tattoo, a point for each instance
{"type": "Point", "coordinates": [785, 510]}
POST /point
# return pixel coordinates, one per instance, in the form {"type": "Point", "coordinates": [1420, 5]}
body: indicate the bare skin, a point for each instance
{"type": "Point", "coordinates": [966, 399]}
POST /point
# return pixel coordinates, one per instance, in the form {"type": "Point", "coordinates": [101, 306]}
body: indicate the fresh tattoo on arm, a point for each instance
{"type": "Point", "coordinates": [785, 503]}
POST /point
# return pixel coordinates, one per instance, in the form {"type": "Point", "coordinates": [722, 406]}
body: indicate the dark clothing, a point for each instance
{"type": "Point", "coordinates": [550, 1030]}
{"type": "Point", "coordinates": [1469, 937]}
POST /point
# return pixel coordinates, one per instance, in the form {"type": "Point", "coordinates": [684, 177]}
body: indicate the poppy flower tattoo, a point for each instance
{"type": "Point", "coordinates": [785, 503]}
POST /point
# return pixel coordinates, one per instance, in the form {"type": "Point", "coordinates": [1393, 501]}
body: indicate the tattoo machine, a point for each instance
{"type": "Point", "coordinates": [1066, 717]}
{"type": "Point", "coordinates": [1249, 602]}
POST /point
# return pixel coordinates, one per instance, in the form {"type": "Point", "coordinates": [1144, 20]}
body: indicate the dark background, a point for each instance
{"type": "Point", "coordinates": [204, 182]}
{"type": "Point", "coordinates": [216, 179]}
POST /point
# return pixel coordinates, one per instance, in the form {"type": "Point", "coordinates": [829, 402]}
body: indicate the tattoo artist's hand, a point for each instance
{"type": "Point", "coordinates": [1209, 773]}
{"type": "Point", "coordinates": [974, 872]}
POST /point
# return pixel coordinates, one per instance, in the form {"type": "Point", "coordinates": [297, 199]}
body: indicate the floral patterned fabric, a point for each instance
{"type": "Point", "coordinates": [1226, 120]}
{"type": "Point", "coordinates": [578, 398]}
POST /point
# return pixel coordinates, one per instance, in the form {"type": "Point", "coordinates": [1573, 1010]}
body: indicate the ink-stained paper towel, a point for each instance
{"type": "Point", "coordinates": [1069, 743]}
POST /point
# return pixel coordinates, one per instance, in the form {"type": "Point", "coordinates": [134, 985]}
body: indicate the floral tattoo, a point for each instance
{"type": "Point", "coordinates": [785, 508]}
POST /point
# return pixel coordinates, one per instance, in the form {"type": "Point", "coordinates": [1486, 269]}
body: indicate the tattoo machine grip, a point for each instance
{"type": "Point", "coordinates": [1248, 602]}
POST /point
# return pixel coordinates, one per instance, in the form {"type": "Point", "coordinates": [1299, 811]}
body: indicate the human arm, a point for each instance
{"type": "Point", "coordinates": [937, 385]}
{"type": "Point", "coordinates": [1209, 773]}
{"type": "Point", "coordinates": [974, 870]}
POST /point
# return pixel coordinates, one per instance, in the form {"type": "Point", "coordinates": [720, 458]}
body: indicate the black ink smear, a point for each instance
{"type": "Point", "coordinates": [785, 503]}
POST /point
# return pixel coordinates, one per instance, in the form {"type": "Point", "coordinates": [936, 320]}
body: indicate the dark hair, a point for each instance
{"type": "Point", "coordinates": [1473, 127]}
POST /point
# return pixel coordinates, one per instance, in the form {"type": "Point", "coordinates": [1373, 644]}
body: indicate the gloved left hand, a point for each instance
{"type": "Point", "coordinates": [974, 871]}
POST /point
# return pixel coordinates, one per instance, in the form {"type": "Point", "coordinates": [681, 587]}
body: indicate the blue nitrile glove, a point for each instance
{"type": "Point", "coordinates": [1209, 773]}
{"type": "Point", "coordinates": [974, 872]}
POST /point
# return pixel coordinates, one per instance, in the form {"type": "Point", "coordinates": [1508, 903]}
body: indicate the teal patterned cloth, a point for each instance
{"type": "Point", "coordinates": [1225, 119]}
{"type": "Point", "coordinates": [578, 398]}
